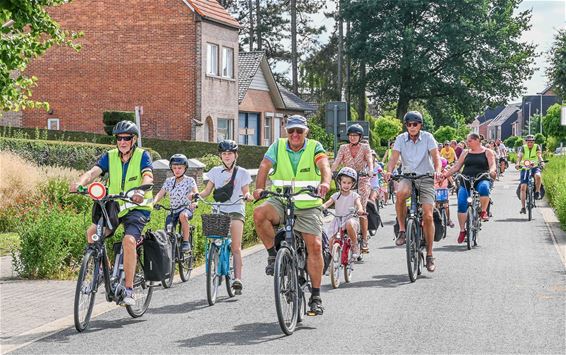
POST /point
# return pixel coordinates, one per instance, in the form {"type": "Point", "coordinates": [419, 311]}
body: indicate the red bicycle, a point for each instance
{"type": "Point", "coordinates": [342, 258]}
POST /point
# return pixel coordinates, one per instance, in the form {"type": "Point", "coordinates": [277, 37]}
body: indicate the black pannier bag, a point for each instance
{"type": "Point", "coordinates": [156, 256]}
{"type": "Point", "coordinates": [374, 219]}
{"type": "Point", "coordinates": [438, 225]}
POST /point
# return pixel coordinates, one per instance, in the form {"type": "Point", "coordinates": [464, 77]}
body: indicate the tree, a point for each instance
{"type": "Point", "coordinates": [27, 32]}
{"type": "Point", "coordinates": [445, 133]}
{"type": "Point", "coordinates": [556, 71]}
{"type": "Point", "coordinates": [387, 127]}
{"type": "Point", "coordinates": [467, 53]}
{"type": "Point", "coordinates": [551, 123]}
{"type": "Point", "coordinates": [318, 73]}
{"type": "Point", "coordinates": [540, 138]}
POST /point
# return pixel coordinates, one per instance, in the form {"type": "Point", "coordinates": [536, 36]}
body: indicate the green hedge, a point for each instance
{"type": "Point", "coordinates": [80, 156]}
{"type": "Point", "coordinates": [250, 156]}
{"type": "Point", "coordinates": [110, 118]}
{"type": "Point", "coordinates": [555, 186]}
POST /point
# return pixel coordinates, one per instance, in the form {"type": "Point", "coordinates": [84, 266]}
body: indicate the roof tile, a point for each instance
{"type": "Point", "coordinates": [212, 10]}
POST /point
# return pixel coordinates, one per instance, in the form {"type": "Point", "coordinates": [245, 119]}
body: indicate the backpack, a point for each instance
{"type": "Point", "coordinates": [157, 255]}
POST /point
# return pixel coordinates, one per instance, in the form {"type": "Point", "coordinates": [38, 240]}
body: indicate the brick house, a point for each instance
{"type": "Point", "coordinates": [263, 103]}
{"type": "Point", "coordinates": [176, 59]}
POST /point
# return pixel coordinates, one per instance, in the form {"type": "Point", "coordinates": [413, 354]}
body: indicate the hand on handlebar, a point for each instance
{"type": "Point", "coordinates": [157, 207]}
{"type": "Point", "coordinates": [137, 197]}
{"type": "Point", "coordinates": [258, 194]}
{"type": "Point", "coordinates": [323, 189]}
{"type": "Point", "coordinates": [387, 176]}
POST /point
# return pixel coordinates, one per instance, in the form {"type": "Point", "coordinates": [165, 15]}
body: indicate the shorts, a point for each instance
{"type": "Point", "coordinates": [525, 175]}
{"type": "Point", "coordinates": [425, 187]}
{"type": "Point", "coordinates": [134, 222]}
{"type": "Point", "coordinates": [236, 216]}
{"type": "Point", "coordinates": [175, 218]}
{"type": "Point", "coordinates": [306, 221]}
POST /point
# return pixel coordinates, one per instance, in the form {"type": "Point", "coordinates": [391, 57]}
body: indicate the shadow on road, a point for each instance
{"type": "Point", "coordinates": [459, 248]}
{"type": "Point", "coordinates": [513, 219]}
{"type": "Point", "coordinates": [180, 308]}
{"type": "Point", "coordinates": [243, 334]}
{"type": "Point", "coordinates": [384, 281]}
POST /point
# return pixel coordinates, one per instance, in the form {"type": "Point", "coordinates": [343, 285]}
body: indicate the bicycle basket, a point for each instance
{"type": "Point", "coordinates": [215, 225]}
{"type": "Point", "coordinates": [441, 195]}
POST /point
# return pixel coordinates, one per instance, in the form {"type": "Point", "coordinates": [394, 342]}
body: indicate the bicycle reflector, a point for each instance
{"type": "Point", "coordinates": [528, 163]}
{"type": "Point", "coordinates": [97, 191]}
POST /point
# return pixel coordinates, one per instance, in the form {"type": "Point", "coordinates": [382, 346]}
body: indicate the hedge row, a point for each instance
{"type": "Point", "coordinates": [250, 156]}
{"type": "Point", "coordinates": [555, 186]}
{"type": "Point", "coordinates": [76, 155]}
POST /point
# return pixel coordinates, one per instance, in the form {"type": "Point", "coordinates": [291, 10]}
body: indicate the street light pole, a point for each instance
{"type": "Point", "coordinates": [529, 117]}
{"type": "Point", "coordinates": [540, 112]}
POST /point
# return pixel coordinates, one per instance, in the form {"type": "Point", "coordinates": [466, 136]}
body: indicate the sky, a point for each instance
{"type": "Point", "coordinates": [547, 17]}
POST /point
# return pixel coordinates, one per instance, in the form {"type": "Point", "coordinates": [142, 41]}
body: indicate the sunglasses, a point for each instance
{"type": "Point", "coordinates": [125, 138]}
{"type": "Point", "coordinates": [530, 140]}
{"type": "Point", "coordinates": [412, 124]}
{"type": "Point", "coordinates": [293, 130]}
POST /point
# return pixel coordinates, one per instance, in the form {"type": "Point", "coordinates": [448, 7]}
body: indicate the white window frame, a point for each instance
{"type": "Point", "coordinates": [228, 62]}
{"type": "Point", "coordinates": [50, 121]}
{"type": "Point", "coordinates": [268, 129]}
{"type": "Point", "coordinates": [212, 59]}
{"type": "Point", "coordinates": [229, 129]}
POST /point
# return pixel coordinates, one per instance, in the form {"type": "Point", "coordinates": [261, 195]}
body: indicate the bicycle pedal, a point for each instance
{"type": "Point", "coordinates": [237, 292]}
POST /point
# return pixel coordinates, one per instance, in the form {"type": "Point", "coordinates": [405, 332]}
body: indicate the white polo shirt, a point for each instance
{"type": "Point", "coordinates": [415, 156]}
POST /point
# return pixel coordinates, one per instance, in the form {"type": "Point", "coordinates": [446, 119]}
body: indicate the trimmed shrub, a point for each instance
{"type": "Point", "coordinates": [110, 118]}
{"type": "Point", "coordinates": [555, 186]}
{"type": "Point", "coordinates": [210, 160]}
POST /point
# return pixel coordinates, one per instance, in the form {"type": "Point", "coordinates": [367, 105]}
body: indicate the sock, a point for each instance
{"type": "Point", "coordinates": [271, 251]}
{"type": "Point", "coordinates": [315, 292]}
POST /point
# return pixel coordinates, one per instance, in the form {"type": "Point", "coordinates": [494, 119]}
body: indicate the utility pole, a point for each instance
{"type": "Point", "coordinates": [294, 68]}
{"type": "Point", "coordinates": [340, 52]}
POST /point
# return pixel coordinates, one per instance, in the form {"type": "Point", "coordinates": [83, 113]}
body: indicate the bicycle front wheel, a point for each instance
{"type": "Point", "coordinates": [86, 290]}
{"type": "Point", "coordinates": [230, 277]}
{"type": "Point", "coordinates": [530, 204]}
{"type": "Point", "coordinates": [212, 277]}
{"type": "Point", "coordinates": [444, 222]}
{"type": "Point", "coordinates": [286, 291]}
{"type": "Point", "coordinates": [469, 228]}
{"type": "Point", "coordinates": [335, 265]}
{"type": "Point", "coordinates": [412, 249]}
{"type": "Point", "coordinates": [348, 266]}
{"type": "Point", "coordinates": [186, 263]}
{"type": "Point", "coordinates": [143, 291]}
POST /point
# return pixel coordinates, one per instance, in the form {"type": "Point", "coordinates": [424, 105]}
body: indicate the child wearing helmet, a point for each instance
{"type": "Point", "coordinates": [219, 177]}
{"type": "Point", "coordinates": [443, 184]}
{"type": "Point", "coordinates": [179, 187]}
{"type": "Point", "coordinates": [344, 200]}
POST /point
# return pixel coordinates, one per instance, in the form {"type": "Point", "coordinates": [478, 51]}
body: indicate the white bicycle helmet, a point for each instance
{"type": "Point", "coordinates": [347, 172]}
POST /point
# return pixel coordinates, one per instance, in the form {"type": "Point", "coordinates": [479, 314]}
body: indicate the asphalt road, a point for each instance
{"type": "Point", "coordinates": [508, 295]}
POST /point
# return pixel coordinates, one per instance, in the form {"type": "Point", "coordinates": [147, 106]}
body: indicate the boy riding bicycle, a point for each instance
{"type": "Point", "coordinates": [179, 187]}
{"type": "Point", "coordinates": [344, 201]}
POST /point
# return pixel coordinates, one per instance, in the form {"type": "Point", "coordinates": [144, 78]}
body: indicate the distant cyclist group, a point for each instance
{"type": "Point", "coordinates": [415, 172]}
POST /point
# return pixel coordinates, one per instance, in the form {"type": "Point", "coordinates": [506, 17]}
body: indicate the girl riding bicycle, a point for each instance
{"type": "Point", "coordinates": [442, 184]}
{"type": "Point", "coordinates": [345, 200]}
{"type": "Point", "coordinates": [229, 182]}
{"type": "Point", "coordinates": [179, 187]}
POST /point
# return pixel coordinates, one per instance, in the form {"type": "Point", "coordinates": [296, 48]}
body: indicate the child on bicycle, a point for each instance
{"type": "Point", "coordinates": [179, 187]}
{"type": "Point", "coordinates": [219, 179]}
{"type": "Point", "coordinates": [443, 184]}
{"type": "Point", "coordinates": [345, 200]}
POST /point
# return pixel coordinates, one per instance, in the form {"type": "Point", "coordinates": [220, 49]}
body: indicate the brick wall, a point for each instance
{"type": "Point", "coordinates": [134, 52]}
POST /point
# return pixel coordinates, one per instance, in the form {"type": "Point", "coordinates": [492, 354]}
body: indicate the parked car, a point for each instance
{"type": "Point", "coordinates": [560, 151]}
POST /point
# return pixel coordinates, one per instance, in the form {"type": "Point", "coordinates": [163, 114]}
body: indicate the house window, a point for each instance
{"type": "Point", "coordinates": [277, 126]}
{"type": "Point", "coordinates": [53, 124]}
{"type": "Point", "coordinates": [227, 62]}
{"type": "Point", "coordinates": [248, 128]}
{"type": "Point", "coordinates": [211, 59]}
{"type": "Point", "coordinates": [267, 133]}
{"type": "Point", "coordinates": [225, 129]}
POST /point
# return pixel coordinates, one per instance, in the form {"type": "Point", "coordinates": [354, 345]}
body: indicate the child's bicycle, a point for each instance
{"type": "Point", "coordinates": [341, 251]}
{"type": "Point", "coordinates": [95, 267]}
{"type": "Point", "coordinates": [184, 260]}
{"type": "Point", "coordinates": [219, 263]}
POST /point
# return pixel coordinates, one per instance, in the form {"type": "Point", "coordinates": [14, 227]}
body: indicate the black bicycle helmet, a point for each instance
{"type": "Point", "coordinates": [413, 116]}
{"type": "Point", "coordinates": [356, 129]}
{"type": "Point", "coordinates": [125, 127]}
{"type": "Point", "coordinates": [227, 146]}
{"type": "Point", "coordinates": [179, 159]}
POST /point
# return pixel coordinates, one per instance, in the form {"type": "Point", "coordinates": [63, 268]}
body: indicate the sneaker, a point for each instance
{"type": "Point", "coordinates": [537, 195]}
{"type": "Point", "coordinates": [484, 217]}
{"type": "Point", "coordinates": [430, 263]}
{"type": "Point", "coordinates": [400, 239]}
{"type": "Point", "coordinates": [237, 286]}
{"type": "Point", "coordinates": [270, 268]}
{"type": "Point", "coordinates": [355, 255]}
{"type": "Point", "coordinates": [315, 305]}
{"type": "Point", "coordinates": [365, 248]}
{"type": "Point", "coordinates": [129, 298]}
{"type": "Point", "coordinates": [461, 237]}
{"type": "Point", "coordinates": [523, 210]}
{"type": "Point", "coordinates": [450, 224]}
{"type": "Point", "coordinates": [185, 246]}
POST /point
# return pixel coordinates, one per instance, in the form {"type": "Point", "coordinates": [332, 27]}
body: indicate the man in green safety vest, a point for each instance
{"type": "Point", "coordinates": [532, 152]}
{"type": "Point", "coordinates": [299, 162]}
{"type": "Point", "coordinates": [127, 167]}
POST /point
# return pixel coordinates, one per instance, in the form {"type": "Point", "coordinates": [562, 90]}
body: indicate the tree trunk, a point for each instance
{"type": "Point", "coordinates": [250, 4]}
{"type": "Point", "coordinates": [294, 68]}
{"type": "Point", "coordinates": [258, 25]}
{"type": "Point", "coordinates": [402, 104]}
{"type": "Point", "coordinates": [362, 91]}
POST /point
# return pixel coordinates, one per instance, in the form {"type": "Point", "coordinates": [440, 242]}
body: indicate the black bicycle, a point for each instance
{"type": "Point", "coordinates": [185, 260]}
{"type": "Point", "coordinates": [291, 279]}
{"type": "Point", "coordinates": [415, 242]}
{"type": "Point", "coordinates": [530, 197]}
{"type": "Point", "coordinates": [95, 267]}
{"type": "Point", "coordinates": [473, 220]}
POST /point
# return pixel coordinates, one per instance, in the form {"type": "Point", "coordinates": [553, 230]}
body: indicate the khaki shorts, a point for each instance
{"type": "Point", "coordinates": [236, 216]}
{"type": "Point", "coordinates": [425, 187]}
{"type": "Point", "coordinates": [307, 221]}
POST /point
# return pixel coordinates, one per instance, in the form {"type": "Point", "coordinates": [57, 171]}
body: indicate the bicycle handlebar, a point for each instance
{"type": "Point", "coordinates": [310, 190]}
{"type": "Point", "coordinates": [411, 177]}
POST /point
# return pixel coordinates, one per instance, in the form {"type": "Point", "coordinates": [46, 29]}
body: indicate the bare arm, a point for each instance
{"type": "Point", "coordinates": [436, 160]}
{"type": "Point", "coordinates": [87, 178]}
{"type": "Point", "coordinates": [393, 160]}
{"type": "Point", "coordinates": [328, 203]}
{"type": "Point", "coordinates": [491, 162]}
{"type": "Point", "coordinates": [326, 176]}
{"type": "Point", "coordinates": [207, 190]}
{"type": "Point", "coordinates": [159, 196]}
{"type": "Point", "coordinates": [261, 177]}
{"type": "Point", "coordinates": [458, 165]}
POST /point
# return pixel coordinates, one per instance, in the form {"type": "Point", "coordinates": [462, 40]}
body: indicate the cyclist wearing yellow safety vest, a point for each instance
{"type": "Point", "coordinates": [530, 151]}
{"type": "Point", "coordinates": [127, 167]}
{"type": "Point", "coordinates": [303, 161]}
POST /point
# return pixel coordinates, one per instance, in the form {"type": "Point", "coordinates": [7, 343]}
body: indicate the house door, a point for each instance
{"type": "Point", "coordinates": [249, 128]}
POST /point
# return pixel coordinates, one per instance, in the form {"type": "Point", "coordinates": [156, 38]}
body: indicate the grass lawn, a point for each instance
{"type": "Point", "coordinates": [8, 241]}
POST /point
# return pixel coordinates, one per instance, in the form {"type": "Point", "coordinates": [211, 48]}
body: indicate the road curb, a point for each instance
{"type": "Point", "coordinates": [58, 325]}
{"type": "Point", "coordinates": [557, 234]}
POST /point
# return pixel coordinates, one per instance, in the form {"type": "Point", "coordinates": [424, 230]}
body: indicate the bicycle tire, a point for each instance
{"type": "Point", "coordinates": [412, 249]}
{"type": "Point", "coordinates": [335, 265]}
{"type": "Point", "coordinates": [469, 228]}
{"type": "Point", "coordinates": [168, 282]}
{"type": "Point", "coordinates": [444, 221]}
{"type": "Point", "coordinates": [143, 291]}
{"type": "Point", "coordinates": [286, 291]}
{"type": "Point", "coordinates": [392, 192]}
{"type": "Point", "coordinates": [230, 277]}
{"type": "Point", "coordinates": [212, 279]}
{"type": "Point", "coordinates": [186, 262]}
{"type": "Point", "coordinates": [348, 267]}
{"type": "Point", "coordinates": [530, 204]}
{"type": "Point", "coordinates": [83, 285]}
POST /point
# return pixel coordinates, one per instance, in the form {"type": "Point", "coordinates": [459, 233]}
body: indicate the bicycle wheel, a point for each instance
{"type": "Point", "coordinates": [444, 221]}
{"type": "Point", "coordinates": [530, 203]}
{"type": "Point", "coordinates": [392, 191]}
{"type": "Point", "coordinates": [143, 291]}
{"type": "Point", "coordinates": [168, 282]}
{"type": "Point", "coordinates": [286, 291]}
{"type": "Point", "coordinates": [348, 267]}
{"type": "Point", "coordinates": [412, 249]}
{"type": "Point", "coordinates": [230, 277]}
{"type": "Point", "coordinates": [186, 262]}
{"type": "Point", "coordinates": [86, 290]}
{"type": "Point", "coordinates": [212, 278]}
{"type": "Point", "coordinates": [335, 265]}
{"type": "Point", "coordinates": [469, 228]}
